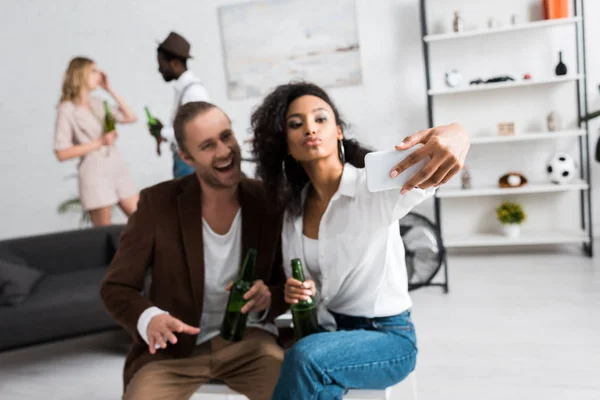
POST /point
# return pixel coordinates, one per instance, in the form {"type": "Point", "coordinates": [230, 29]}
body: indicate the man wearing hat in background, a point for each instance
{"type": "Point", "coordinates": [173, 54]}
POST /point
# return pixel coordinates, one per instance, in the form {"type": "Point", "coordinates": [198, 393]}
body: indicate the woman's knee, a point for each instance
{"type": "Point", "coordinates": [100, 216]}
{"type": "Point", "coordinates": [295, 356]}
{"type": "Point", "coordinates": [129, 205]}
{"type": "Point", "coordinates": [304, 352]}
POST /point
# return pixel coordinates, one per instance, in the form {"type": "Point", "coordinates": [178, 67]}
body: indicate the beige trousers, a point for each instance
{"type": "Point", "coordinates": [250, 367]}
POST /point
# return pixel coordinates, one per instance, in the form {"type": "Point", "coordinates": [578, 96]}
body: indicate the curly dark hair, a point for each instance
{"type": "Point", "coordinates": [268, 123]}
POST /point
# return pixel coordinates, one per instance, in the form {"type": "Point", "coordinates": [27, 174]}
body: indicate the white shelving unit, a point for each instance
{"type": "Point", "coordinates": [527, 136]}
{"type": "Point", "coordinates": [525, 239]}
{"type": "Point", "coordinates": [504, 85]}
{"type": "Point", "coordinates": [576, 77]}
{"type": "Point", "coordinates": [530, 188]}
{"type": "Point", "coordinates": [520, 27]}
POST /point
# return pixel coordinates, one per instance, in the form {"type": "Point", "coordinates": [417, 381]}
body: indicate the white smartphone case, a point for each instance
{"type": "Point", "coordinates": [379, 164]}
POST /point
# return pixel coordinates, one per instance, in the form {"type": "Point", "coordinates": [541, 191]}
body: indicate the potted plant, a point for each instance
{"type": "Point", "coordinates": [511, 215]}
{"type": "Point", "coordinates": [74, 205]}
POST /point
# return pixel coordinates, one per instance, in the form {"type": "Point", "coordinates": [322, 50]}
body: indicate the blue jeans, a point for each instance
{"type": "Point", "coordinates": [365, 353]}
{"type": "Point", "coordinates": [180, 168]}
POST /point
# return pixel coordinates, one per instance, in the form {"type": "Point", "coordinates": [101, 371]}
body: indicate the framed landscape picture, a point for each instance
{"type": "Point", "coordinates": [268, 43]}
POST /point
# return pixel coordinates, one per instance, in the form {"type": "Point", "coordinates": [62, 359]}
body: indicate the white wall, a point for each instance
{"type": "Point", "coordinates": [121, 36]}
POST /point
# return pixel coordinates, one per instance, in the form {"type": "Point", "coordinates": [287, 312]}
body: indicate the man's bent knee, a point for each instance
{"type": "Point", "coordinates": [152, 383]}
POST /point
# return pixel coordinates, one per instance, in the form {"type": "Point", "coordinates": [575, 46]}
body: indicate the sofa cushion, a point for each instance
{"type": "Point", "coordinates": [16, 281]}
{"type": "Point", "coordinates": [114, 237]}
{"type": "Point", "coordinates": [64, 251]}
{"type": "Point", "coordinates": [61, 305]}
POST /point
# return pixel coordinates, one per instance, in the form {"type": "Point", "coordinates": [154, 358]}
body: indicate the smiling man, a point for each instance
{"type": "Point", "coordinates": [192, 233]}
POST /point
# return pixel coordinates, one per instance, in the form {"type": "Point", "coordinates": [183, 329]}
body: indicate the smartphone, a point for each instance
{"type": "Point", "coordinates": [379, 164]}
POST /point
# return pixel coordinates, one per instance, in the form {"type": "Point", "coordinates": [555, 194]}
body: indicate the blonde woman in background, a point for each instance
{"type": "Point", "coordinates": [103, 176]}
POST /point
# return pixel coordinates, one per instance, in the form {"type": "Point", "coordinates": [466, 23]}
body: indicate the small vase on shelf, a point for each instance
{"type": "Point", "coordinates": [458, 23]}
{"type": "Point", "coordinates": [511, 230]}
{"type": "Point", "coordinates": [561, 68]}
{"type": "Point", "coordinates": [553, 121]}
{"type": "Point", "coordinates": [465, 178]}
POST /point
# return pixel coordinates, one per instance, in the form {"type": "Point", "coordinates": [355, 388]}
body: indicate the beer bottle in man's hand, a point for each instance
{"type": "Point", "coordinates": [155, 127]}
{"type": "Point", "coordinates": [234, 322]}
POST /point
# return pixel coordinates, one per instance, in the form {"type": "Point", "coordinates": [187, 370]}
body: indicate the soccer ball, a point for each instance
{"type": "Point", "coordinates": [561, 168]}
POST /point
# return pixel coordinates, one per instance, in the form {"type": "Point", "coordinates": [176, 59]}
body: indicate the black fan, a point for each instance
{"type": "Point", "coordinates": [424, 250]}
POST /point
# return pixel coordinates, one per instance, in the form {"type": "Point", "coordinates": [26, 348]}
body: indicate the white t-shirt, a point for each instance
{"type": "Point", "coordinates": [222, 261]}
{"type": "Point", "coordinates": [222, 254]}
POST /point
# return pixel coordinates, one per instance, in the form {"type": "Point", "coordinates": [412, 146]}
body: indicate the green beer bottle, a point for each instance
{"type": "Point", "coordinates": [234, 322]}
{"type": "Point", "coordinates": [304, 313]}
{"type": "Point", "coordinates": [109, 120]}
{"type": "Point", "coordinates": [155, 129]}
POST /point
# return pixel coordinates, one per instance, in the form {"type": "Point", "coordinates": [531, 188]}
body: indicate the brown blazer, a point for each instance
{"type": "Point", "coordinates": [164, 236]}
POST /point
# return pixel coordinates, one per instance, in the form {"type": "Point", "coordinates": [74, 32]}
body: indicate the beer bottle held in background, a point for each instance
{"type": "Point", "coordinates": [304, 313]}
{"type": "Point", "coordinates": [155, 129]}
{"type": "Point", "coordinates": [110, 123]}
{"type": "Point", "coordinates": [234, 322]}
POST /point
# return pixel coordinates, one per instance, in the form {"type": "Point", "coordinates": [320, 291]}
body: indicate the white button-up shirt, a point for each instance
{"type": "Point", "coordinates": [194, 91]}
{"type": "Point", "coordinates": [361, 253]}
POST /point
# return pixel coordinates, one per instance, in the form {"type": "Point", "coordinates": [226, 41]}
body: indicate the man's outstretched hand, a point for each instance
{"type": "Point", "coordinates": [161, 330]}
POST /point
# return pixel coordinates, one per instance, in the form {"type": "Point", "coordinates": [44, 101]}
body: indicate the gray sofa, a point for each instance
{"type": "Point", "coordinates": [61, 275]}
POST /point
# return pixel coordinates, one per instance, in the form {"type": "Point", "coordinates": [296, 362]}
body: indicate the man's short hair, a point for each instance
{"type": "Point", "coordinates": [185, 114]}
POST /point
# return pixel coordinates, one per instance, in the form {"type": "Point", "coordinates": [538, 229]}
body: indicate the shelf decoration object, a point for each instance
{"type": "Point", "coordinates": [506, 129]}
{"type": "Point", "coordinates": [555, 9]}
{"type": "Point", "coordinates": [554, 123]}
{"type": "Point", "coordinates": [512, 180]}
{"type": "Point", "coordinates": [458, 24]}
{"type": "Point", "coordinates": [465, 178]}
{"type": "Point", "coordinates": [561, 68]}
{"type": "Point", "coordinates": [453, 78]}
{"type": "Point", "coordinates": [511, 215]}
{"type": "Point", "coordinates": [561, 168]}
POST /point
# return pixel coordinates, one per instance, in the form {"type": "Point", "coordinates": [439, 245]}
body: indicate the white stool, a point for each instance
{"type": "Point", "coordinates": [218, 391]}
{"type": "Point", "coordinates": [405, 390]}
